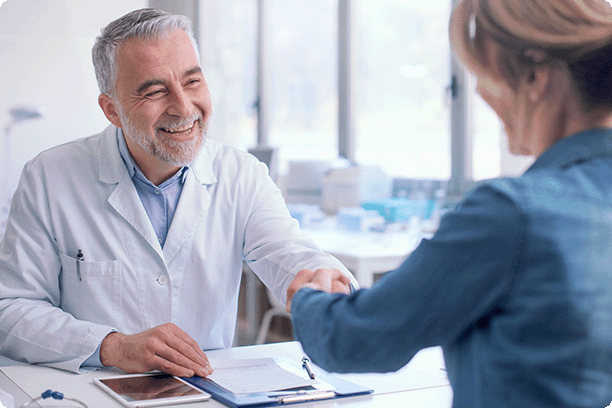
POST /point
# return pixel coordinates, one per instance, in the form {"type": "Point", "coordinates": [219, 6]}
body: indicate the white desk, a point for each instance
{"type": "Point", "coordinates": [422, 383]}
{"type": "Point", "coordinates": [366, 253]}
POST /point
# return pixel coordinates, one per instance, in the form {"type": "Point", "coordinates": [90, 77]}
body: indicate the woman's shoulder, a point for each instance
{"type": "Point", "coordinates": [509, 191]}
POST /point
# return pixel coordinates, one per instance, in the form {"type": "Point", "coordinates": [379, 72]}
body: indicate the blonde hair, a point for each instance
{"type": "Point", "coordinates": [577, 33]}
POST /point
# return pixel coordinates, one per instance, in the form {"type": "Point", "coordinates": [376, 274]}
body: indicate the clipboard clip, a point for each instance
{"type": "Point", "coordinates": [303, 395]}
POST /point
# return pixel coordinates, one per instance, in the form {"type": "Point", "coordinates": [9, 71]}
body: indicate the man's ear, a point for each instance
{"type": "Point", "coordinates": [110, 109]}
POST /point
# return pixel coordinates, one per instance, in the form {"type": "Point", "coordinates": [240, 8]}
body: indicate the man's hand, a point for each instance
{"type": "Point", "coordinates": [165, 348]}
{"type": "Point", "coordinates": [327, 280]}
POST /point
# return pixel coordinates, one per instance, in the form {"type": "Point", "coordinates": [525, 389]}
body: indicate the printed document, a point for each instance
{"type": "Point", "coordinates": [254, 375]}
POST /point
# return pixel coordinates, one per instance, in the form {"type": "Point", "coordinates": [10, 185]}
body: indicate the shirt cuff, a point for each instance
{"type": "Point", "coordinates": [93, 360]}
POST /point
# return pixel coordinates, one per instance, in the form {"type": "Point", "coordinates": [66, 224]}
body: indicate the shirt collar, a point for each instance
{"type": "Point", "coordinates": [578, 147]}
{"type": "Point", "coordinates": [132, 167]}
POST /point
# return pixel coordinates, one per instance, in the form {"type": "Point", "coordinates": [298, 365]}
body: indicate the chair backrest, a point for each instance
{"type": "Point", "coordinates": [268, 156]}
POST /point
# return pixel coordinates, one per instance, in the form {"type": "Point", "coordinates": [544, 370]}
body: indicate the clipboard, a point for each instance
{"type": "Point", "coordinates": [342, 388]}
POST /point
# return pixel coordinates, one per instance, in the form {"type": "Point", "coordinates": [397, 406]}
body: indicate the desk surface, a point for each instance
{"type": "Point", "coordinates": [366, 253]}
{"type": "Point", "coordinates": [421, 383]}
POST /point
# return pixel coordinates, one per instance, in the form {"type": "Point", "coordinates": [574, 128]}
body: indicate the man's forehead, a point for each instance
{"type": "Point", "coordinates": [144, 56]}
{"type": "Point", "coordinates": [177, 41]}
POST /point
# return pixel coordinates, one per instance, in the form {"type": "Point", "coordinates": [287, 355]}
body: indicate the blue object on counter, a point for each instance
{"type": "Point", "coordinates": [400, 209]}
{"type": "Point", "coordinates": [358, 219]}
{"type": "Point", "coordinates": [306, 214]}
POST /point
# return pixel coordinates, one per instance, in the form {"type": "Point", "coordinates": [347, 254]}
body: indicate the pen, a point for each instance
{"type": "Point", "coordinates": [80, 258]}
{"type": "Point", "coordinates": [303, 396]}
{"type": "Point", "coordinates": [306, 365]}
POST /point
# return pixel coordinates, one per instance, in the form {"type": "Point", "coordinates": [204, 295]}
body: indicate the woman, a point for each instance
{"type": "Point", "coordinates": [516, 285]}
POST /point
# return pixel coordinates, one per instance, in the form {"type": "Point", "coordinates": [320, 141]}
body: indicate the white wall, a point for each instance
{"type": "Point", "coordinates": [45, 60]}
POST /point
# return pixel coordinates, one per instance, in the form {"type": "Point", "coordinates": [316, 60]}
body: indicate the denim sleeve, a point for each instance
{"type": "Point", "coordinates": [445, 286]}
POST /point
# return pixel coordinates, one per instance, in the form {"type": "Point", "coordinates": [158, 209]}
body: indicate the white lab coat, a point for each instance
{"type": "Point", "coordinates": [79, 196]}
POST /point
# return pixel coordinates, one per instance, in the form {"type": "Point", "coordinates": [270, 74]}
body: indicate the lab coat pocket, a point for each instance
{"type": "Point", "coordinates": [96, 296]}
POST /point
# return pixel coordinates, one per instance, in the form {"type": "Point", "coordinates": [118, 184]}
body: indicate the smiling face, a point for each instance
{"type": "Point", "coordinates": [161, 101]}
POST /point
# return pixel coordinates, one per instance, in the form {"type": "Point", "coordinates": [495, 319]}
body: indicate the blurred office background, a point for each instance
{"type": "Point", "coordinates": [371, 82]}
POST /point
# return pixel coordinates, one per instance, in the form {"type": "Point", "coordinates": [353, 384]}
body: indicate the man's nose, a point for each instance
{"type": "Point", "coordinates": [180, 104]}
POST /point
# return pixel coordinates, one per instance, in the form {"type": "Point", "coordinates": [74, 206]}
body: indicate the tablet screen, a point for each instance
{"type": "Point", "coordinates": [151, 388]}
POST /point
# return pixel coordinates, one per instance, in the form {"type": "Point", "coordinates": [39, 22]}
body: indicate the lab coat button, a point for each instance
{"type": "Point", "coordinates": [162, 279]}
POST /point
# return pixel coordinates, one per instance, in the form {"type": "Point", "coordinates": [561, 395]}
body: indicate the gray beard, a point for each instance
{"type": "Point", "coordinates": [168, 151]}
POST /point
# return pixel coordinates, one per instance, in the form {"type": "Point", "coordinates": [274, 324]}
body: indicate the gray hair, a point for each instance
{"type": "Point", "coordinates": [147, 23]}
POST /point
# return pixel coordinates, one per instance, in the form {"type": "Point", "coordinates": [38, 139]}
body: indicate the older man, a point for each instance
{"type": "Point", "coordinates": [125, 248]}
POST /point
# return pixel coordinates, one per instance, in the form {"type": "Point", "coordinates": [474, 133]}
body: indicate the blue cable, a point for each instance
{"type": "Point", "coordinates": [55, 395]}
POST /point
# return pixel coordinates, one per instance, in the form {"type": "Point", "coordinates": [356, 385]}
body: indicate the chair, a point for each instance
{"type": "Point", "coordinates": [268, 156]}
{"type": "Point", "coordinates": [277, 310]}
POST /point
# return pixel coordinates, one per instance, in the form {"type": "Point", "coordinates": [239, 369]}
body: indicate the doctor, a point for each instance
{"type": "Point", "coordinates": [125, 248]}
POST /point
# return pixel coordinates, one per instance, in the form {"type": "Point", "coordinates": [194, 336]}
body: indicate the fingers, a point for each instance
{"type": "Point", "coordinates": [328, 280]}
{"type": "Point", "coordinates": [180, 355]}
{"type": "Point", "coordinates": [338, 286]}
{"type": "Point", "coordinates": [303, 277]}
{"type": "Point", "coordinates": [325, 278]}
{"type": "Point", "coordinates": [166, 348]}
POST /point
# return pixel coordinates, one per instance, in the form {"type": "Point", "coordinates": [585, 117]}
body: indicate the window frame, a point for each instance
{"type": "Point", "coordinates": [461, 179]}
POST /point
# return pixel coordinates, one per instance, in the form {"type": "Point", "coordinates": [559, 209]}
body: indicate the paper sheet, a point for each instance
{"type": "Point", "coordinates": [254, 375]}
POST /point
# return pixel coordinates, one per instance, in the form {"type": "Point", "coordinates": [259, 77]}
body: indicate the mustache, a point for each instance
{"type": "Point", "coordinates": [180, 123]}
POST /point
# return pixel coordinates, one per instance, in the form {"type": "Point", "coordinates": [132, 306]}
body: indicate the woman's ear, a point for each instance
{"type": "Point", "coordinates": [538, 77]}
{"type": "Point", "coordinates": [110, 109]}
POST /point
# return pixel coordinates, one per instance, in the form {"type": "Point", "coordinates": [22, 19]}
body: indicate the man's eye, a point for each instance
{"type": "Point", "coordinates": [154, 94]}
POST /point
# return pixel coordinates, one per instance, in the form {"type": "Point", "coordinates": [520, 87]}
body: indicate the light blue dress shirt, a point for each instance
{"type": "Point", "coordinates": [516, 286]}
{"type": "Point", "coordinates": [159, 202]}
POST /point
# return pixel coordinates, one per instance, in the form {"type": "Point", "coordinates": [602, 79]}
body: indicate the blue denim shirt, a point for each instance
{"type": "Point", "coordinates": [516, 286]}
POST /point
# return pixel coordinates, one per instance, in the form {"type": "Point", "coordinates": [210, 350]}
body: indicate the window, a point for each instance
{"type": "Point", "coordinates": [402, 113]}
{"type": "Point", "coordinates": [490, 155]}
{"type": "Point", "coordinates": [487, 136]}
{"type": "Point", "coordinates": [403, 121]}
{"type": "Point", "coordinates": [228, 39]}
{"type": "Point", "coordinates": [303, 96]}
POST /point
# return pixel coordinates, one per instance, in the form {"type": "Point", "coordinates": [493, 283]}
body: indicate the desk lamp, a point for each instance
{"type": "Point", "coordinates": [18, 114]}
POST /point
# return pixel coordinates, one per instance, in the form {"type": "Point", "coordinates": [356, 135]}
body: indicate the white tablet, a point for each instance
{"type": "Point", "coordinates": [149, 390]}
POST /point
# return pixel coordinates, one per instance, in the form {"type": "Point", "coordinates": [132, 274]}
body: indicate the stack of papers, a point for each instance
{"type": "Point", "coordinates": [255, 376]}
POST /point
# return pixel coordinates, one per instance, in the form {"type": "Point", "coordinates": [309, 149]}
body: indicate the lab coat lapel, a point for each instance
{"type": "Point", "coordinates": [124, 197]}
{"type": "Point", "coordinates": [194, 202]}
{"type": "Point", "coordinates": [127, 203]}
{"type": "Point", "coordinates": [192, 206]}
